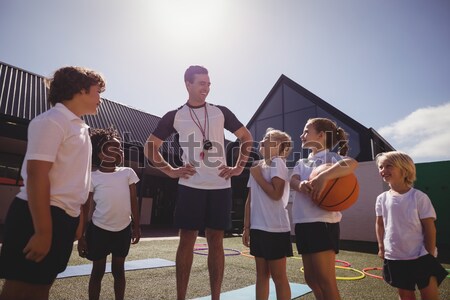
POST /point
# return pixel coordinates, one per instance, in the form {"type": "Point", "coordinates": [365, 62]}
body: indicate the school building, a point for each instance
{"type": "Point", "coordinates": [287, 107]}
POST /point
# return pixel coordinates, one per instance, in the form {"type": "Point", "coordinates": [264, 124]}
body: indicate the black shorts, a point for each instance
{"type": "Point", "coordinates": [101, 242]}
{"type": "Point", "coordinates": [18, 231]}
{"type": "Point", "coordinates": [317, 237]}
{"type": "Point", "coordinates": [406, 274]}
{"type": "Point", "coordinates": [270, 245]}
{"type": "Point", "coordinates": [197, 209]}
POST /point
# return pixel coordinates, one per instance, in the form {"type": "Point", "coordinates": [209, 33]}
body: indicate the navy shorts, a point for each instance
{"type": "Point", "coordinates": [197, 209]}
{"type": "Point", "coordinates": [317, 237]}
{"type": "Point", "coordinates": [406, 274]}
{"type": "Point", "coordinates": [101, 242]}
{"type": "Point", "coordinates": [270, 245]}
{"type": "Point", "coordinates": [18, 231]}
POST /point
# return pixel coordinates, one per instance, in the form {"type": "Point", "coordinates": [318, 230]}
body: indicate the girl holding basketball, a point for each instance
{"type": "Point", "coordinates": [405, 230]}
{"type": "Point", "coordinates": [266, 221]}
{"type": "Point", "coordinates": [317, 230]}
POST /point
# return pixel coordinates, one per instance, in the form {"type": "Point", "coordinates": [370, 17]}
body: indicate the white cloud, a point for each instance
{"type": "Point", "coordinates": [424, 134]}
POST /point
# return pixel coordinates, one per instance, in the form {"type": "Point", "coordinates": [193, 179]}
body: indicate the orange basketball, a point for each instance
{"type": "Point", "coordinates": [339, 193]}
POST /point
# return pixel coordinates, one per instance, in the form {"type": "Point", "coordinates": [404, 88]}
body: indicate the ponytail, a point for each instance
{"type": "Point", "coordinates": [342, 141]}
{"type": "Point", "coordinates": [335, 136]}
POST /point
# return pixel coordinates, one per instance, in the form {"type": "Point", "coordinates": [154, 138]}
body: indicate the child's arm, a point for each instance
{"type": "Point", "coordinates": [274, 189]}
{"type": "Point", "coordinates": [341, 168]}
{"type": "Point", "coordinates": [136, 234]}
{"type": "Point", "coordinates": [246, 229]}
{"type": "Point", "coordinates": [82, 226]}
{"type": "Point", "coordinates": [38, 190]}
{"type": "Point", "coordinates": [429, 233]}
{"type": "Point", "coordinates": [300, 186]}
{"type": "Point", "coordinates": [379, 230]}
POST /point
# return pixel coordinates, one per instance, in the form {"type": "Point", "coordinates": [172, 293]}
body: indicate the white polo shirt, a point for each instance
{"type": "Point", "coordinates": [60, 137]}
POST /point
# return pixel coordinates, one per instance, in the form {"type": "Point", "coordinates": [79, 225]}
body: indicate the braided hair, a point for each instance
{"type": "Point", "coordinates": [99, 137]}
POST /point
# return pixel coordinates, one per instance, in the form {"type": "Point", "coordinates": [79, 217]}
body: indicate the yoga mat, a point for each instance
{"type": "Point", "coordinates": [149, 263]}
{"type": "Point", "coordinates": [248, 292]}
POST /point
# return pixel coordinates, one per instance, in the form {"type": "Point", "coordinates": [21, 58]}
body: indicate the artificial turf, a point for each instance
{"type": "Point", "coordinates": [160, 283]}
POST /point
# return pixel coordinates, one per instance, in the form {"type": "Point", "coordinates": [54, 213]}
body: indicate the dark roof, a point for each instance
{"type": "Point", "coordinates": [284, 80]}
{"type": "Point", "coordinates": [370, 142]}
{"type": "Point", "coordinates": [23, 96]}
{"type": "Point", "coordinates": [379, 141]}
{"type": "Point", "coordinates": [134, 125]}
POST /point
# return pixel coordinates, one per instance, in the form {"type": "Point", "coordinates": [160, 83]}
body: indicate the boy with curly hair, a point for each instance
{"type": "Point", "coordinates": [42, 220]}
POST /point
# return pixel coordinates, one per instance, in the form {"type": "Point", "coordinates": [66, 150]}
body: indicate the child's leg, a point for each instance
{"type": "Point", "coordinates": [95, 282]}
{"type": "Point", "coordinates": [320, 274]}
{"type": "Point", "coordinates": [406, 294]}
{"type": "Point", "coordinates": [278, 271]}
{"type": "Point", "coordinates": [262, 279]}
{"type": "Point", "coordinates": [118, 272]}
{"type": "Point", "coordinates": [310, 275]}
{"type": "Point", "coordinates": [18, 290]}
{"type": "Point", "coordinates": [430, 292]}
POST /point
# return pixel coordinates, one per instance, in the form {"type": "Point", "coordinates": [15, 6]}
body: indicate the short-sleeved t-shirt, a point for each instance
{"type": "Point", "coordinates": [304, 210]}
{"type": "Point", "coordinates": [265, 213]}
{"type": "Point", "coordinates": [189, 122]}
{"type": "Point", "coordinates": [61, 137]}
{"type": "Point", "coordinates": [403, 233]}
{"type": "Point", "coordinates": [112, 198]}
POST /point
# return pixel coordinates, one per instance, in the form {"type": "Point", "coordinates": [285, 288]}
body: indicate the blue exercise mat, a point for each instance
{"type": "Point", "coordinates": [248, 292]}
{"type": "Point", "coordinates": [149, 263]}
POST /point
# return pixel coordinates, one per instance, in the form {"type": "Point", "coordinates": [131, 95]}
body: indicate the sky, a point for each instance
{"type": "Point", "coordinates": [384, 63]}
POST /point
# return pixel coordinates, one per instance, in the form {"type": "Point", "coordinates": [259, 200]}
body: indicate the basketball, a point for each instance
{"type": "Point", "coordinates": [340, 193]}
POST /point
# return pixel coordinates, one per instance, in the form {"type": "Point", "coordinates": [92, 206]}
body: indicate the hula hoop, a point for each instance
{"type": "Point", "coordinates": [246, 253]}
{"type": "Point", "coordinates": [345, 278]}
{"type": "Point", "coordinates": [233, 251]}
{"type": "Point", "coordinates": [344, 263]}
{"type": "Point", "coordinates": [372, 269]}
{"type": "Point", "coordinates": [350, 278]}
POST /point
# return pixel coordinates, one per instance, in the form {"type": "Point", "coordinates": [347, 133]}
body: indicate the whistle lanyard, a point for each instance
{"type": "Point", "coordinates": [207, 144]}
